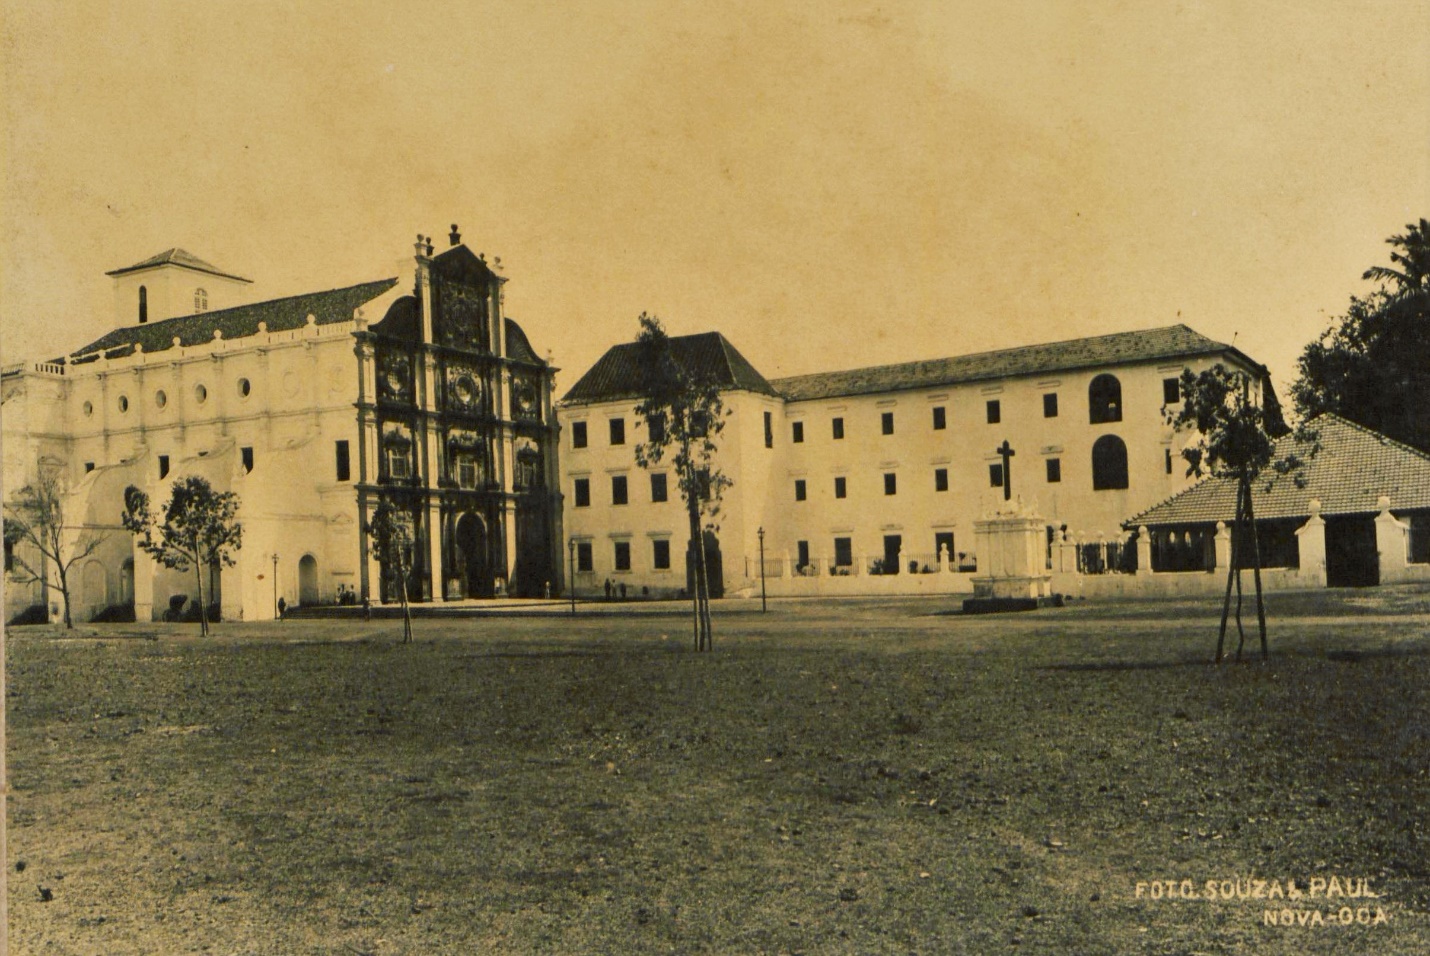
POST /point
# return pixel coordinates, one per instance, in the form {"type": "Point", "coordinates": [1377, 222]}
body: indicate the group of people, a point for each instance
{"type": "Point", "coordinates": [613, 589]}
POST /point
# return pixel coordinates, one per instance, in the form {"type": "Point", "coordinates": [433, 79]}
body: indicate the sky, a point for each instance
{"type": "Point", "coordinates": [831, 185]}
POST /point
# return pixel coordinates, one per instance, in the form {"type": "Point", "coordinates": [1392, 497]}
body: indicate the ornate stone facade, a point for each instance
{"type": "Point", "coordinates": [311, 408]}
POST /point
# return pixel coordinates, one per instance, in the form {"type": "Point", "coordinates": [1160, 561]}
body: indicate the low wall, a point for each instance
{"type": "Point", "coordinates": [860, 585]}
{"type": "Point", "coordinates": [1409, 574]}
{"type": "Point", "coordinates": [1181, 584]}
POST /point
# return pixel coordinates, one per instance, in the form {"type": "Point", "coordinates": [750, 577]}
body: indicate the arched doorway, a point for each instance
{"type": "Point", "coordinates": [472, 567]}
{"type": "Point", "coordinates": [308, 580]}
{"type": "Point", "coordinates": [95, 591]}
{"type": "Point", "coordinates": [126, 581]}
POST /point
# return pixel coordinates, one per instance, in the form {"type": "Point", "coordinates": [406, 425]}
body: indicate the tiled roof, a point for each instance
{"type": "Point", "coordinates": [709, 355]}
{"type": "Point", "coordinates": [178, 257]}
{"type": "Point", "coordinates": [1174, 341]}
{"type": "Point", "coordinates": [1352, 469]}
{"type": "Point", "coordinates": [335, 305]}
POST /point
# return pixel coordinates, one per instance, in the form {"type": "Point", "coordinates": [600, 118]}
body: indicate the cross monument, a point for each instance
{"type": "Point", "coordinates": [1007, 453]}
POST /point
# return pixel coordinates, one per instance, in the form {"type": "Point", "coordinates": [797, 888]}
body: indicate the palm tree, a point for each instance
{"type": "Point", "coordinates": [1413, 276]}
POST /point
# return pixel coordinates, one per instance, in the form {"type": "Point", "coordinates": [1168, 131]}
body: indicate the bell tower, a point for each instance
{"type": "Point", "coordinates": [174, 283]}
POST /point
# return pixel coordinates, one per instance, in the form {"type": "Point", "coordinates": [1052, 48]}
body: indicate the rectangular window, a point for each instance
{"type": "Point", "coordinates": [886, 423]}
{"type": "Point", "coordinates": [995, 412]}
{"type": "Point", "coordinates": [623, 555]}
{"type": "Point", "coordinates": [1055, 470]}
{"type": "Point", "coordinates": [660, 554]}
{"type": "Point", "coordinates": [619, 494]}
{"type": "Point", "coordinates": [940, 418]}
{"type": "Point", "coordinates": [578, 434]}
{"type": "Point", "coordinates": [891, 483]}
{"type": "Point", "coordinates": [797, 432]}
{"type": "Point", "coordinates": [247, 455]}
{"type": "Point", "coordinates": [583, 492]}
{"type": "Point", "coordinates": [940, 479]}
{"type": "Point", "coordinates": [995, 476]}
{"type": "Point", "coordinates": [840, 487]}
{"type": "Point", "coordinates": [843, 552]}
{"type": "Point", "coordinates": [163, 466]}
{"type": "Point", "coordinates": [943, 542]}
{"type": "Point", "coordinates": [799, 489]}
{"type": "Point", "coordinates": [398, 464]}
{"type": "Point", "coordinates": [343, 460]}
{"type": "Point", "coordinates": [657, 487]}
{"type": "Point", "coordinates": [467, 472]}
{"type": "Point", "coordinates": [1050, 405]}
{"type": "Point", "coordinates": [655, 426]}
{"type": "Point", "coordinates": [1171, 391]}
{"type": "Point", "coordinates": [838, 428]}
{"type": "Point", "coordinates": [801, 549]}
{"type": "Point", "coordinates": [769, 430]}
{"type": "Point", "coordinates": [618, 431]}
{"type": "Point", "coordinates": [1168, 453]}
{"type": "Point", "coordinates": [583, 556]}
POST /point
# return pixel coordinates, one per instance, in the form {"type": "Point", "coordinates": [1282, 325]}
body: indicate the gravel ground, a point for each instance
{"type": "Point", "coordinates": [837, 777]}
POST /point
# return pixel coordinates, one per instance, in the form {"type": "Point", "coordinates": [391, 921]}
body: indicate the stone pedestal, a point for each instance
{"type": "Point", "coordinates": [1222, 546]}
{"type": "Point", "coordinates": [1311, 545]}
{"type": "Point", "coordinates": [1392, 539]}
{"type": "Point", "coordinates": [1011, 561]}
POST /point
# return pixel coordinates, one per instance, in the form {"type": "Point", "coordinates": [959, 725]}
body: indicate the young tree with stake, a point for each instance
{"type": "Point", "coordinates": [684, 415]}
{"type": "Point", "coordinates": [37, 518]}
{"type": "Point", "coordinates": [199, 530]}
{"type": "Point", "coordinates": [1236, 440]}
{"type": "Point", "coordinates": [392, 543]}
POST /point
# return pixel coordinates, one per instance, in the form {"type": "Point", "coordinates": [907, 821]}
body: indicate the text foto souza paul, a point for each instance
{"type": "Point", "coordinates": [1251, 889]}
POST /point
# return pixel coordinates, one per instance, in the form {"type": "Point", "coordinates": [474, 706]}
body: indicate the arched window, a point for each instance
{"type": "Point", "coordinates": [1104, 400]}
{"type": "Point", "coordinates": [201, 300]}
{"type": "Point", "coordinates": [1109, 463]}
{"type": "Point", "coordinates": [143, 304]}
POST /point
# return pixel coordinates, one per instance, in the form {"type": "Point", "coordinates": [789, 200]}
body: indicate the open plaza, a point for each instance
{"type": "Point", "coordinates": [839, 776]}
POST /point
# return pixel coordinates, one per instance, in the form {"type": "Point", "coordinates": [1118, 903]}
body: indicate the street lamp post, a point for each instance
{"type": "Point", "coordinates": [571, 565]}
{"type": "Point", "coordinates": [276, 614]}
{"type": "Point", "coordinates": [763, 606]}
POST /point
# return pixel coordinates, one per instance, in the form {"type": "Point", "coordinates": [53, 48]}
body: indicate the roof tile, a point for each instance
{"type": "Point", "coordinates": [1353, 468]}
{"type": "Point", "coordinates": [1102, 350]}
{"type": "Point", "coordinates": [616, 374]}
{"type": "Point", "coordinates": [335, 305]}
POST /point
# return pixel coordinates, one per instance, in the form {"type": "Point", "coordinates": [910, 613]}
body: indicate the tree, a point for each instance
{"type": "Point", "coordinates": [1372, 365]}
{"type": "Point", "coordinates": [199, 530]}
{"type": "Point", "coordinates": [391, 536]}
{"type": "Point", "coordinates": [684, 414]}
{"type": "Point", "coordinates": [1237, 430]}
{"type": "Point", "coordinates": [37, 517]}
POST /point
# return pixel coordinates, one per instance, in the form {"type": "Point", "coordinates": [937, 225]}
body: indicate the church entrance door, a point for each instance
{"type": "Point", "coordinates": [307, 581]}
{"type": "Point", "coordinates": [474, 571]}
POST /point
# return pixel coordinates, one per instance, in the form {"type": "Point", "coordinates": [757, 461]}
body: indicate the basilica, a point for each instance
{"type": "Point", "coordinates": [416, 389]}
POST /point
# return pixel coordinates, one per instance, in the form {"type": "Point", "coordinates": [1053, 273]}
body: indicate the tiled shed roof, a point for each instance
{"type": "Point", "coordinates": [335, 305]}
{"type": "Point", "coordinates": [177, 257]}
{"type": "Point", "coordinates": [1173, 341]}
{"type": "Point", "coordinates": [1353, 468]}
{"type": "Point", "coordinates": [616, 374]}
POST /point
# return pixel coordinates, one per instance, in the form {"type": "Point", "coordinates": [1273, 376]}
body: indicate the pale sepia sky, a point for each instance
{"type": "Point", "coordinates": [830, 184]}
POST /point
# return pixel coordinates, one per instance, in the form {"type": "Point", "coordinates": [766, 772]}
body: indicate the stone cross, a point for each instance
{"type": "Point", "coordinates": [1007, 453]}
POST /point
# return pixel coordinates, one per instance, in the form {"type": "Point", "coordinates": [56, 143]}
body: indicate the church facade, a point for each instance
{"type": "Point", "coordinates": [879, 473]}
{"type": "Point", "coordinates": [312, 408]}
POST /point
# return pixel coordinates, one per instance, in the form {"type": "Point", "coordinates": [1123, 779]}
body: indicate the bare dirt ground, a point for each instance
{"type": "Point", "coordinates": [837, 777]}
